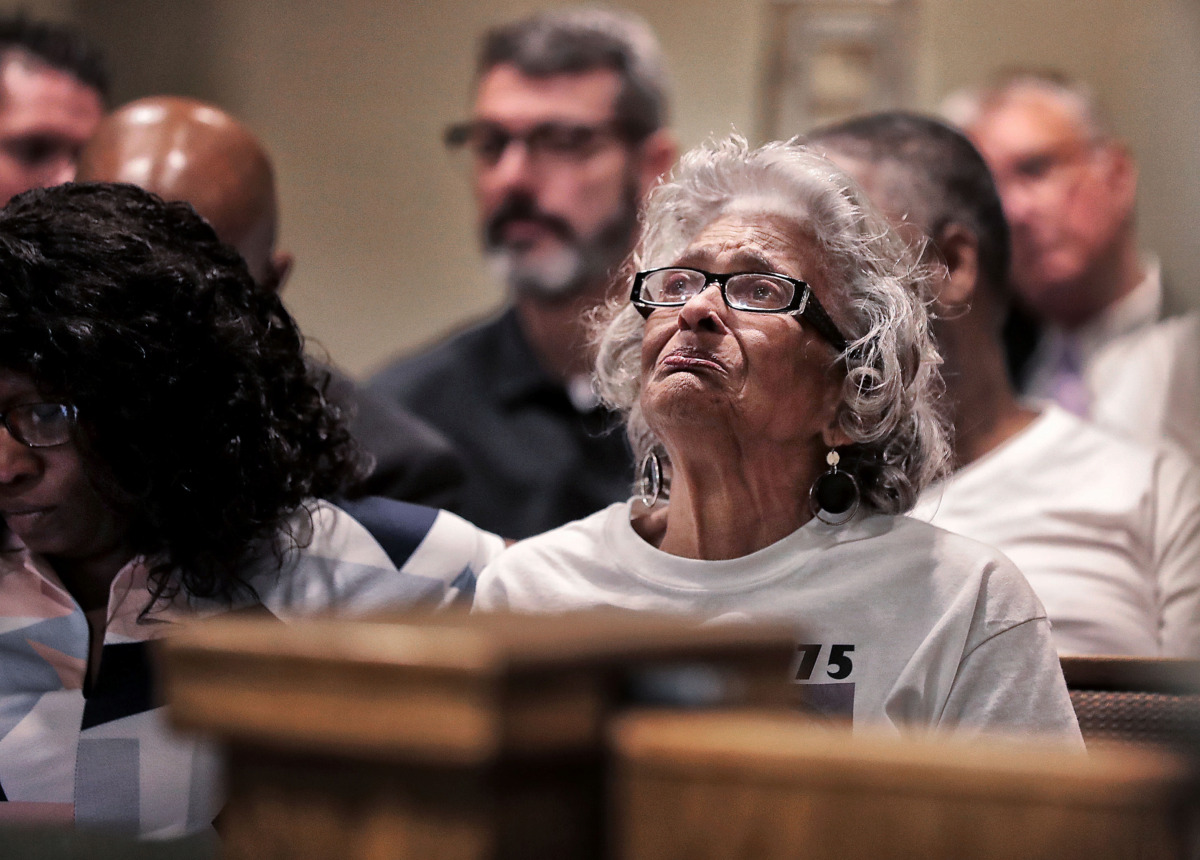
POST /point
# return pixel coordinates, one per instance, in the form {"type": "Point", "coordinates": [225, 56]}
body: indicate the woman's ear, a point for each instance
{"type": "Point", "coordinates": [834, 436]}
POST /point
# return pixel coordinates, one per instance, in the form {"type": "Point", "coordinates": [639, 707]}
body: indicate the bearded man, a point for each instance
{"type": "Point", "coordinates": [566, 135]}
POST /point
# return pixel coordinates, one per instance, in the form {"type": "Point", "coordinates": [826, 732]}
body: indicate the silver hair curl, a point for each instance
{"type": "Point", "coordinates": [890, 395]}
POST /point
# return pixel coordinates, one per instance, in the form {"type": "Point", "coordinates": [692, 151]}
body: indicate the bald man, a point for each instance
{"type": "Point", "coordinates": [182, 149]}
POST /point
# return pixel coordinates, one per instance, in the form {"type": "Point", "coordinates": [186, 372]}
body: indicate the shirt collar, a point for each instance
{"type": "Point", "coordinates": [127, 592]}
{"type": "Point", "coordinates": [1140, 307]}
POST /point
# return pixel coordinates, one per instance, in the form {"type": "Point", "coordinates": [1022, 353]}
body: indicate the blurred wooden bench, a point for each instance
{"type": "Point", "coordinates": [767, 787]}
{"type": "Point", "coordinates": [494, 737]}
{"type": "Point", "coordinates": [478, 737]}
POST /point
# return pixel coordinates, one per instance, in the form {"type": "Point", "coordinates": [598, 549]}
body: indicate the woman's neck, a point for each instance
{"type": "Point", "coordinates": [89, 580]}
{"type": "Point", "coordinates": [731, 506]}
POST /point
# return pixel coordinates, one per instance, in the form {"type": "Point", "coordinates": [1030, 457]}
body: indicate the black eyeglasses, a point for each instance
{"type": "Point", "coordinates": [40, 425]}
{"type": "Point", "coordinates": [554, 142]}
{"type": "Point", "coordinates": [754, 292]}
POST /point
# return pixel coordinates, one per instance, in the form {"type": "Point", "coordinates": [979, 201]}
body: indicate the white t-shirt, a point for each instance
{"type": "Point", "coordinates": [1106, 531]}
{"type": "Point", "coordinates": [898, 623]}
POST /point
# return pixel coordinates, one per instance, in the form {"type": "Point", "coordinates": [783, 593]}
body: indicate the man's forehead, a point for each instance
{"type": "Point", "coordinates": [506, 94]}
{"type": "Point", "coordinates": [1026, 123]}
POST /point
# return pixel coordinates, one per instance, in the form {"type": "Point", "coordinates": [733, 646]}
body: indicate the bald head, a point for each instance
{"type": "Point", "coordinates": [183, 149]}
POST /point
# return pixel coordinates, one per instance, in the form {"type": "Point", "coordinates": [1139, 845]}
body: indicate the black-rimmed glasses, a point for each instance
{"type": "Point", "coordinates": [549, 141]}
{"type": "Point", "coordinates": [40, 425]}
{"type": "Point", "coordinates": [754, 292]}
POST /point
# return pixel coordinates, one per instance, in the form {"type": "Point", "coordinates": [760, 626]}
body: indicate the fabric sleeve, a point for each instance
{"type": "Point", "coordinates": [1177, 555]}
{"type": "Point", "coordinates": [1012, 682]}
{"type": "Point", "coordinates": [457, 552]}
{"type": "Point", "coordinates": [491, 595]}
{"type": "Point", "coordinates": [397, 556]}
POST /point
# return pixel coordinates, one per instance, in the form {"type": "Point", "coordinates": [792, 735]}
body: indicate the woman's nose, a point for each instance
{"type": "Point", "coordinates": [17, 460]}
{"type": "Point", "coordinates": [703, 310]}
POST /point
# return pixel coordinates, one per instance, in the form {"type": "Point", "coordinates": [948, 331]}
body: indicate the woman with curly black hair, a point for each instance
{"type": "Point", "coordinates": [163, 446]}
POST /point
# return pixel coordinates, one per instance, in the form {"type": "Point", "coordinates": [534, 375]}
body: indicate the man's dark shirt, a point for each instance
{"type": "Point", "coordinates": [533, 461]}
{"type": "Point", "coordinates": [413, 462]}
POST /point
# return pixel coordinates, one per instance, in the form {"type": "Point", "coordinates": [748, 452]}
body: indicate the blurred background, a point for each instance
{"type": "Point", "coordinates": [352, 97]}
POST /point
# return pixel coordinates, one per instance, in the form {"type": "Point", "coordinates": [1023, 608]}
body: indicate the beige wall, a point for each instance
{"type": "Point", "coordinates": [352, 97]}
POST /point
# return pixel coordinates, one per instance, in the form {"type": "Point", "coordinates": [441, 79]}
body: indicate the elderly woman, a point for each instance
{"type": "Point", "coordinates": [162, 447]}
{"type": "Point", "coordinates": [776, 370]}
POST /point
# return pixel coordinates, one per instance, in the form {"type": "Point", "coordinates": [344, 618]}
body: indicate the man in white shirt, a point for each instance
{"type": "Point", "coordinates": [1069, 187]}
{"type": "Point", "coordinates": [1106, 530]}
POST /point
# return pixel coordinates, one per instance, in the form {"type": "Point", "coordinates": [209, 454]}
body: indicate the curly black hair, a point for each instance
{"type": "Point", "coordinates": [198, 415]}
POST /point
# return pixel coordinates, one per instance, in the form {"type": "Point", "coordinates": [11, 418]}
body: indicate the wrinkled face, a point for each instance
{"type": "Point", "coordinates": [46, 116]}
{"type": "Point", "coordinates": [1065, 204]}
{"type": "Point", "coordinates": [766, 379]}
{"type": "Point", "coordinates": [47, 499]}
{"type": "Point", "coordinates": [554, 221]}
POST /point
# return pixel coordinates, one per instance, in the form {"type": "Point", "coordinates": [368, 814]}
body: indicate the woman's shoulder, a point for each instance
{"type": "Point", "coordinates": [903, 534]}
{"type": "Point", "coordinates": [947, 555]}
{"type": "Point", "coordinates": [959, 562]}
{"type": "Point", "coordinates": [554, 561]}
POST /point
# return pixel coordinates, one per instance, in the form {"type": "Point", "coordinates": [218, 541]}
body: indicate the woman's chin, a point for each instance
{"type": "Point", "coordinates": [685, 402]}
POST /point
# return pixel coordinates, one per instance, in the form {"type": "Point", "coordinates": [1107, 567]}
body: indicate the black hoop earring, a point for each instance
{"type": "Point", "coordinates": [650, 480]}
{"type": "Point", "coordinates": [834, 496]}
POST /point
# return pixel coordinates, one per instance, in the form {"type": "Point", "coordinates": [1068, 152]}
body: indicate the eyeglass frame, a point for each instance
{"type": "Point", "coordinates": [457, 135]}
{"type": "Point", "coordinates": [804, 303]}
{"type": "Point", "coordinates": [68, 410]}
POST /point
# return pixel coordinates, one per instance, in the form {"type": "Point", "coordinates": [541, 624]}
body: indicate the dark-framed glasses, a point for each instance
{"type": "Point", "coordinates": [555, 142]}
{"type": "Point", "coordinates": [40, 425]}
{"type": "Point", "coordinates": [753, 292]}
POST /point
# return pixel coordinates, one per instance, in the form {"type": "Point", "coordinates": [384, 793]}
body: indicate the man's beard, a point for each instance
{"type": "Point", "coordinates": [578, 262]}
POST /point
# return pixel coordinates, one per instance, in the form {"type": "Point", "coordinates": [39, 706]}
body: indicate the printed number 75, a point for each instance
{"type": "Point", "coordinates": [840, 665]}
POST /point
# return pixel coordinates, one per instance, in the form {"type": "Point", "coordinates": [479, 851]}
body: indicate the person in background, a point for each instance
{"type": "Point", "coordinates": [1107, 348]}
{"type": "Point", "coordinates": [53, 85]}
{"type": "Point", "coordinates": [1106, 530]}
{"type": "Point", "coordinates": [183, 149]}
{"type": "Point", "coordinates": [165, 455]}
{"type": "Point", "coordinates": [567, 132]}
{"type": "Point", "coordinates": [780, 384]}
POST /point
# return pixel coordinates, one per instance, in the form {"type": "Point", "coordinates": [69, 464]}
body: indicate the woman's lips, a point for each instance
{"type": "Point", "coordinates": [22, 516]}
{"type": "Point", "coordinates": [690, 359]}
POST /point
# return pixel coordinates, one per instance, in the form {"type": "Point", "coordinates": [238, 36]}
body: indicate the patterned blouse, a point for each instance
{"type": "Point", "coordinates": [108, 758]}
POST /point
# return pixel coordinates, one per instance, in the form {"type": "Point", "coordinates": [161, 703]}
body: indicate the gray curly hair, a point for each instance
{"type": "Point", "coordinates": [892, 384]}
